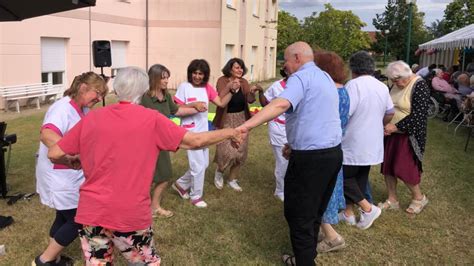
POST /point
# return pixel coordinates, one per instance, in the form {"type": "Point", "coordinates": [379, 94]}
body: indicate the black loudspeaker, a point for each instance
{"type": "Point", "coordinates": [101, 54]}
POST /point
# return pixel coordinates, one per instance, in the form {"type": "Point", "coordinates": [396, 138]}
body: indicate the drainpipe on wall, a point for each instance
{"type": "Point", "coordinates": [146, 36]}
{"type": "Point", "coordinates": [90, 40]}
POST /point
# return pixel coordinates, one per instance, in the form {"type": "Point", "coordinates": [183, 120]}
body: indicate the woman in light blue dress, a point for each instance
{"type": "Point", "coordinates": [329, 239]}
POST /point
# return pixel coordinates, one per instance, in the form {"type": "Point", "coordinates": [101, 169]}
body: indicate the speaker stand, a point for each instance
{"type": "Point", "coordinates": [105, 78]}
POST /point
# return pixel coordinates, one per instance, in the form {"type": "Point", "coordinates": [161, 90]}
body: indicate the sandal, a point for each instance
{"type": "Point", "coordinates": [162, 213]}
{"type": "Point", "coordinates": [416, 206]}
{"type": "Point", "coordinates": [388, 205]}
{"type": "Point", "coordinates": [289, 260]}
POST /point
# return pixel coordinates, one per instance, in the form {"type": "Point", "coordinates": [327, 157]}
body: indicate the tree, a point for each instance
{"type": "Point", "coordinates": [395, 19]}
{"type": "Point", "coordinates": [335, 30]}
{"type": "Point", "coordinates": [437, 28]}
{"type": "Point", "coordinates": [458, 14]}
{"type": "Point", "coordinates": [289, 31]}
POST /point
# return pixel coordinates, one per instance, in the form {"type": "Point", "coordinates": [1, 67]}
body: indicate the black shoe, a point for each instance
{"type": "Point", "coordinates": [5, 221]}
{"type": "Point", "coordinates": [65, 261]}
{"type": "Point", "coordinates": [38, 262]}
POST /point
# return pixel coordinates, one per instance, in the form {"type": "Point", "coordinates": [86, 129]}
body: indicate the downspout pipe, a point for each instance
{"type": "Point", "coordinates": [146, 35]}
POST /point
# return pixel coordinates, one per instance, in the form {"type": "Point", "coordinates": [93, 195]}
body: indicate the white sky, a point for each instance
{"type": "Point", "coordinates": [365, 9]}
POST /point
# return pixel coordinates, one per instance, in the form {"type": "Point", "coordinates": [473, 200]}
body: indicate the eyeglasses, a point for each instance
{"type": "Point", "coordinates": [99, 93]}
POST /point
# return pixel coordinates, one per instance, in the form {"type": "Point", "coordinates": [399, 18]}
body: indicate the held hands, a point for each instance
{"type": "Point", "coordinates": [233, 86]}
{"type": "Point", "coordinates": [286, 151]}
{"type": "Point", "coordinates": [200, 106]}
{"type": "Point", "coordinates": [73, 161]}
{"type": "Point", "coordinates": [256, 87]}
{"type": "Point", "coordinates": [243, 131]}
{"type": "Point", "coordinates": [237, 138]}
{"type": "Point", "coordinates": [389, 129]}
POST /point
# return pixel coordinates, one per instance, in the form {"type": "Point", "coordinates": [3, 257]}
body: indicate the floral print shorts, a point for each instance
{"type": "Point", "coordinates": [98, 245]}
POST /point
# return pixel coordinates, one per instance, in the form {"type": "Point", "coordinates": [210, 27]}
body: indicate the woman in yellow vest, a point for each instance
{"type": "Point", "coordinates": [405, 136]}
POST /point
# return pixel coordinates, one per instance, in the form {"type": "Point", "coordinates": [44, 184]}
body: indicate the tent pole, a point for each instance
{"type": "Point", "coordinates": [463, 58]}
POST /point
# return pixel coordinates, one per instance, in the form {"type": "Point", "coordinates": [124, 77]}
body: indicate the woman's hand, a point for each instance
{"type": "Point", "coordinates": [286, 151]}
{"type": "Point", "coordinates": [256, 87]}
{"type": "Point", "coordinates": [200, 106]}
{"type": "Point", "coordinates": [74, 162]}
{"type": "Point", "coordinates": [233, 85]}
{"type": "Point", "coordinates": [389, 129]}
{"type": "Point", "coordinates": [237, 138]}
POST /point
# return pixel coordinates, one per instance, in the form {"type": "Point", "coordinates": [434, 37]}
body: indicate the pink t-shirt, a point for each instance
{"type": "Point", "coordinates": [442, 85]}
{"type": "Point", "coordinates": [119, 146]}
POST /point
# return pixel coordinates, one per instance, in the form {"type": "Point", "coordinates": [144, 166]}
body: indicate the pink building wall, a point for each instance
{"type": "Point", "coordinates": [178, 31]}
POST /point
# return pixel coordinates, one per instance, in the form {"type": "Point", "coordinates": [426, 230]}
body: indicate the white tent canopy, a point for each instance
{"type": "Point", "coordinates": [462, 38]}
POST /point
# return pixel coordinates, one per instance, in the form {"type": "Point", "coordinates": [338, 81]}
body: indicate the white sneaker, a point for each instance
{"type": "Point", "coordinates": [350, 220]}
{"type": "Point", "coordinates": [181, 192]}
{"type": "Point", "coordinates": [367, 218]}
{"type": "Point", "coordinates": [234, 185]}
{"type": "Point", "coordinates": [219, 180]}
{"type": "Point", "coordinates": [199, 203]}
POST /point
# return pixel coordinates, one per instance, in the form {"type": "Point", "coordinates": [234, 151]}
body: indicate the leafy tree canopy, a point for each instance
{"type": "Point", "coordinates": [289, 31]}
{"type": "Point", "coordinates": [336, 30]}
{"type": "Point", "coordinates": [395, 20]}
{"type": "Point", "coordinates": [458, 14]}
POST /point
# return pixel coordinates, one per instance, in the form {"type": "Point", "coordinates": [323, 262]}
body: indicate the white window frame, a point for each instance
{"type": "Point", "coordinates": [229, 52]}
{"type": "Point", "coordinates": [230, 4]}
{"type": "Point", "coordinates": [256, 8]}
{"type": "Point", "coordinates": [53, 58]}
{"type": "Point", "coordinates": [253, 56]}
{"type": "Point", "coordinates": [119, 56]}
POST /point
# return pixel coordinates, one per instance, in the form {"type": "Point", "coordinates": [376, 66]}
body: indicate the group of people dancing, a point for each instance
{"type": "Point", "coordinates": [96, 168]}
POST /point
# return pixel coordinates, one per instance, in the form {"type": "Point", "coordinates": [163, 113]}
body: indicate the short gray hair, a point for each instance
{"type": "Point", "coordinates": [362, 63]}
{"type": "Point", "coordinates": [398, 70]}
{"type": "Point", "coordinates": [130, 84]}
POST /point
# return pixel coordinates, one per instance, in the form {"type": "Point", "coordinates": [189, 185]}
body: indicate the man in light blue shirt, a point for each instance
{"type": "Point", "coordinates": [314, 133]}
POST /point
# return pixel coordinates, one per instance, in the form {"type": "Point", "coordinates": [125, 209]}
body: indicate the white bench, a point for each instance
{"type": "Point", "coordinates": [30, 92]}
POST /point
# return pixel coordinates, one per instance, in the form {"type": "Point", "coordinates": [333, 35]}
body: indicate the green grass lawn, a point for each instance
{"type": "Point", "coordinates": [248, 228]}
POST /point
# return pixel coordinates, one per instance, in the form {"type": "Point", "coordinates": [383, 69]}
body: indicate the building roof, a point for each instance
{"type": "Point", "coordinates": [462, 38]}
{"type": "Point", "coordinates": [372, 36]}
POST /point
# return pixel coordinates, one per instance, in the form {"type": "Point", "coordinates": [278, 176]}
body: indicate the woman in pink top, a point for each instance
{"type": "Point", "coordinates": [119, 146]}
{"type": "Point", "coordinates": [58, 184]}
{"type": "Point", "coordinates": [440, 84]}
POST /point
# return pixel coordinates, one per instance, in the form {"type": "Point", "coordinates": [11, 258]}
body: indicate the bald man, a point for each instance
{"type": "Point", "coordinates": [313, 129]}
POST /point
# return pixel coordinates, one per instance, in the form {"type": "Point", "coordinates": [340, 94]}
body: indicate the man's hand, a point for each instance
{"type": "Point", "coordinates": [237, 139]}
{"type": "Point", "coordinates": [286, 151]}
{"type": "Point", "coordinates": [244, 131]}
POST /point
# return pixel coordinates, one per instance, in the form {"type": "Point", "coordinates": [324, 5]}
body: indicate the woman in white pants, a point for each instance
{"type": "Point", "coordinates": [276, 133]}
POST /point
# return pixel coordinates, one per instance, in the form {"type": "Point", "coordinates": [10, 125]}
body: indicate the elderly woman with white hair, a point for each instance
{"type": "Point", "coordinates": [119, 146]}
{"type": "Point", "coordinates": [405, 136]}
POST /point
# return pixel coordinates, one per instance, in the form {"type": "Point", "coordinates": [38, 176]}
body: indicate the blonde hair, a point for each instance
{"type": "Point", "coordinates": [92, 80]}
